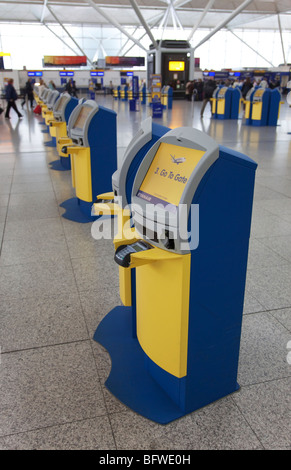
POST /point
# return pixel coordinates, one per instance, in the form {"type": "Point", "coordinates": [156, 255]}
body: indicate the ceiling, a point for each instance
{"type": "Point", "coordinates": [258, 14]}
{"type": "Point", "coordinates": [152, 16]}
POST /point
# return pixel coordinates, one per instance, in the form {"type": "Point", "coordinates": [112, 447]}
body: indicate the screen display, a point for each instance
{"type": "Point", "coordinates": [60, 103]}
{"type": "Point", "coordinates": [176, 66]}
{"type": "Point", "coordinates": [168, 175]}
{"type": "Point", "coordinates": [81, 119]}
{"type": "Point", "coordinates": [259, 93]}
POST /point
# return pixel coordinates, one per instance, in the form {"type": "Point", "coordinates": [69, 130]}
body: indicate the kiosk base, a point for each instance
{"type": "Point", "coordinates": [57, 166]}
{"type": "Point", "coordinates": [129, 379]}
{"type": "Point", "coordinates": [51, 143]}
{"type": "Point", "coordinates": [74, 212]}
{"type": "Point", "coordinates": [65, 162]}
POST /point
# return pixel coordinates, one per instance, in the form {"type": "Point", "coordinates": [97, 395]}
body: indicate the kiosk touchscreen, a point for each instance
{"type": "Point", "coordinates": [92, 130]}
{"type": "Point", "coordinates": [192, 206]}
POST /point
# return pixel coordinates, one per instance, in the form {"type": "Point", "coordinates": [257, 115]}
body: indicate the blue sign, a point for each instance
{"type": "Point", "coordinates": [97, 74]}
{"type": "Point", "coordinates": [66, 74]}
{"type": "Point", "coordinates": [34, 74]}
{"type": "Point", "coordinates": [129, 74]}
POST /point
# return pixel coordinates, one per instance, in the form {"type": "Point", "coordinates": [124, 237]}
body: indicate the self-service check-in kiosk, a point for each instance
{"type": "Point", "coordinates": [58, 126]}
{"type": "Point", "coordinates": [222, 103]}
{"type": "Point", "coordinates": [183, 352]}
{"type": "Point", "coordinates": [92, 130]}
{"type": "Point", "coordinates": [260, 107]}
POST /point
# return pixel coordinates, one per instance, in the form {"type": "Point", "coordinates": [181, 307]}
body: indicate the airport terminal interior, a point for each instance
{"type": "Point", "coordinates": [59, 281]}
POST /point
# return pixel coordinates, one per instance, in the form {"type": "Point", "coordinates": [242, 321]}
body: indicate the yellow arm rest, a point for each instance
{"type": "Point", "coordinates": [106, 196]}
{"type": "Point", "coordinates": [105, 208]}
{"type": "Point", "coordinates": [76, 148]}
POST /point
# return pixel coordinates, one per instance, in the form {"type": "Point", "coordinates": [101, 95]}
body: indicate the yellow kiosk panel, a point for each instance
{"type": "Point", "coordinates": [168, 174]}
{"type": "Point", "coordinates": [162, 316]}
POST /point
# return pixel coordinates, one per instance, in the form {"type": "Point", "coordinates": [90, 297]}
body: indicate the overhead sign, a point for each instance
{"type": "Point", "coordinates": [97, 73]}
{"type": "Point", "coordinates": [60, 60]}
{"type": "Point", "coordinates": [124, 61]}
{"type": "Point", "coordinates": [66, 73]}
{"type": "Point", "coordinates": [34, 73]}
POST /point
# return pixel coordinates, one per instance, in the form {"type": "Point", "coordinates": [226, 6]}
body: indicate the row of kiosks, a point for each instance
{"type": "Point", "coordinates": [93, 154]}
{"type": "Point", "coordinates": [62, 111]}
{"type": "Point", "coordinates": [174, 344]}
{"type": "Point", "coordinates": [262, 106]}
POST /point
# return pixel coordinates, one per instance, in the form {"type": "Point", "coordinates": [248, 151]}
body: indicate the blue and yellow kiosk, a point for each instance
{"type": "Point", "coordinates": [181, 351]}
{"type": "Point", "coordinates": [62, 111]}
{"type": "Point", "coordinates": [221, 104]}
{"type": "Point", "coordinates": [92, 130]}
{"type": "Point", "coordinates": [260, 107]}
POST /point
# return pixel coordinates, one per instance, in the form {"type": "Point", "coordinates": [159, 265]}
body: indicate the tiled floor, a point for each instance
{"type": "Point", "coordinates": [57, 283]}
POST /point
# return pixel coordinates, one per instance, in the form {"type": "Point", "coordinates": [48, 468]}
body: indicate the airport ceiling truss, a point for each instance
{"type": "Point", "coordinates": [152, 17]}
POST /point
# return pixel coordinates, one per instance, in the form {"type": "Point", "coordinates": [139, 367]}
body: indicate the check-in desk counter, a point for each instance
{"type": "Point", "coordinates": [62, 111]}
{"type": "Point", "coordinates": [192, 206]}
{"type": "Point", "coordinates": [93, 150]}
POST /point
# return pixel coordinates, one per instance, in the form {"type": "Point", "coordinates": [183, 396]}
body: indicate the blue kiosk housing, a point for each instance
{"type": "Point", "coordinates": [182, 352]}
{"type": "Point", "coordinates": [236, 97]}
{"type": "Point", "coordinates": [274, 107]}
{"type": "Point", "coordinates": [92, 130]}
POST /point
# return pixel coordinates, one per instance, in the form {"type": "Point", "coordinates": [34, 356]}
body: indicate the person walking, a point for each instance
{"type": "Point", "coordinates": [11, 96]}
{"type": "Point", "coordinates": [208, 90]}
{"type": "Point", "coordinates": [29, 92]}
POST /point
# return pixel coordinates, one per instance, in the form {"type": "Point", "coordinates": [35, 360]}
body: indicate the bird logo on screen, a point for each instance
{"type": "Point", "coordinates": [177, 160]}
